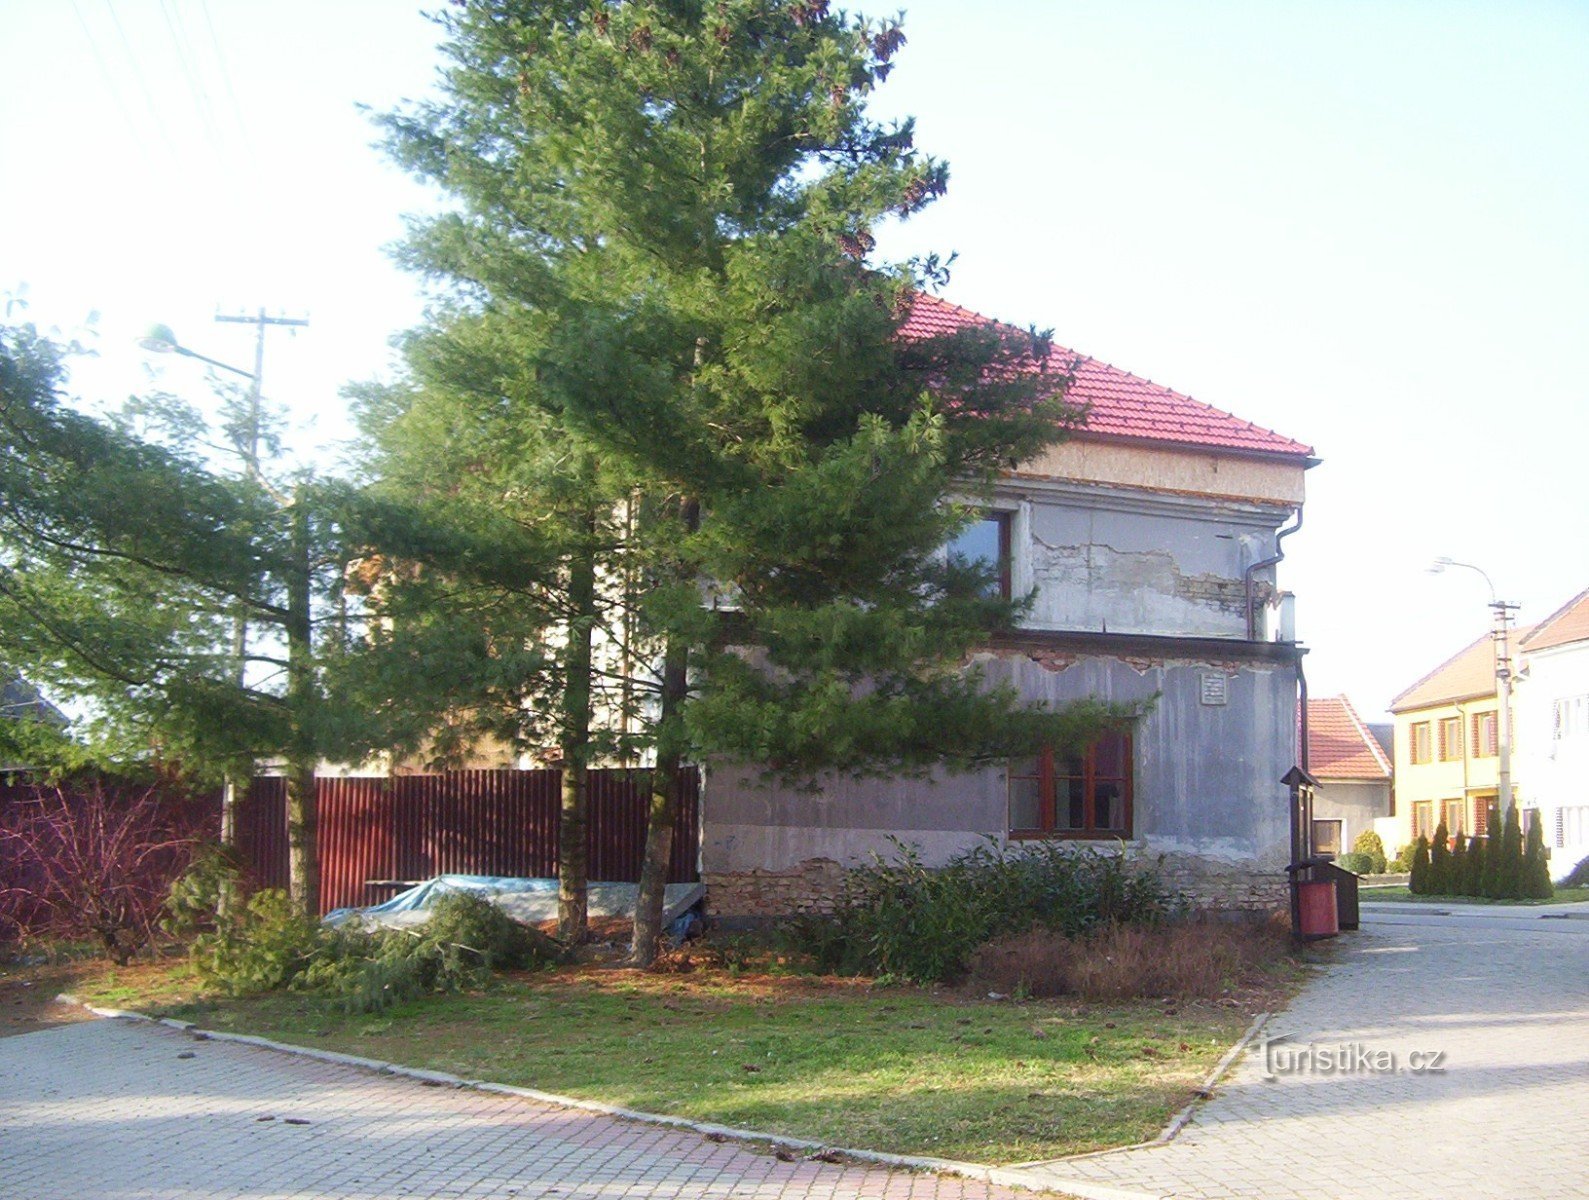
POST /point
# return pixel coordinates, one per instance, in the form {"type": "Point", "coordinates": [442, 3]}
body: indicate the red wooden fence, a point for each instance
{"type": "Point", "coordinates": [411, 827]}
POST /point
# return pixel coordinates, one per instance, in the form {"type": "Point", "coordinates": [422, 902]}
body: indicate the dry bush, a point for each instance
{"type": "Point", "coordinates": [1185, 959]}
{"type": "Point", "coordinates": [94, 861]}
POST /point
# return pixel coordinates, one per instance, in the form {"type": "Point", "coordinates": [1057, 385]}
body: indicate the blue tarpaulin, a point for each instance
{"type": "Point", "coordinates": [529, 900]}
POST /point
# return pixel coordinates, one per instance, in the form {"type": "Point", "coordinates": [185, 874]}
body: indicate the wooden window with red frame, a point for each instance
{"type": "Point", "coordinates": [1085, 794]}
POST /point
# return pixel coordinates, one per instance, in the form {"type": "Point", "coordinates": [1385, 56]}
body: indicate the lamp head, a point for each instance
{"type": "Point", "coordinates": [160, 339]}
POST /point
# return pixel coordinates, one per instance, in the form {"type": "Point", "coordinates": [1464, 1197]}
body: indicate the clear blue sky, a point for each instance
{"type": "Point", "coordinates": [1361, 224]}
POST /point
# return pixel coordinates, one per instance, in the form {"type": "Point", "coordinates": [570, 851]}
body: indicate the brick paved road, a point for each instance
{"type": "Point", "coordinates": [109, 1109]}
{"type": "Point", "coordinates": [1508, 1003]}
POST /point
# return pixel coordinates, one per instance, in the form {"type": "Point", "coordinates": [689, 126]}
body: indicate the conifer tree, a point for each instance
{"type": "Point", "coordinates": [1457, 865]}
{"type": "Point", "coordinates": [1509, 878]}
{"type": "Point", "coordinates": [1536, 883]}
{"type": "Point", "coordinates": [1440, 861]}
{"type": "Point", "coordinates": [1473, 868]}
{"type": "Point", "coordinates": [1419, 883]}
{"type": "Point", "coordinates": [674, 206]}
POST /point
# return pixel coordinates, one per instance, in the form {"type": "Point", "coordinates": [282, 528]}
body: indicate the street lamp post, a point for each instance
{"type": "Point", "coordinates": [161, 340]}
{"type": "Point", "coordinates": [1501, 612]}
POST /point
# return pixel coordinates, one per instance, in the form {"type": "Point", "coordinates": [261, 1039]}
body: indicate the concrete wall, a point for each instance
{"type": "Point", "coordinates": [1355, 803]}
{"type": "Point", "coordinates": [1207, 790]}
{"type": "Point", "coordinates": [1125, 560]}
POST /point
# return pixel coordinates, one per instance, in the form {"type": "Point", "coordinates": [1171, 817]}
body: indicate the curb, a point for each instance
{"type": "Point", "coordinates": [1013, 1177]}
{"type": "Point", "coordinates": [1168, 1134]}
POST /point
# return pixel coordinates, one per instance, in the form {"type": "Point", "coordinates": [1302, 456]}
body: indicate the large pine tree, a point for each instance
{"type": "Point", "coordinates": [666, 210]}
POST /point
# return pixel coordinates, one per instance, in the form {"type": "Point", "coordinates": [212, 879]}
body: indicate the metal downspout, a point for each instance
{"type": "Point", "coordinates": [1250, 572]}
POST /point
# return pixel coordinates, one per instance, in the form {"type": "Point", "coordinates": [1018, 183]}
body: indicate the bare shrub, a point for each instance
{"type": "Point", "coordinates": [1183, 959]}
{"type": "Point", "coordinates": [93, 862]}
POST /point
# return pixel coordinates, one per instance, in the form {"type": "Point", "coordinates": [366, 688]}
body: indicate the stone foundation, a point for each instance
{"type": "Point", "coordinates": [1218, 887]}
{"type": "Point", "coordinates": [813, 886]}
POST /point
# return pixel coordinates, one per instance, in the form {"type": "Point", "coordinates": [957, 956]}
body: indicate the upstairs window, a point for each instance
{"type": "Point", "coordinates": [1486, 743]}
{"type": "Point", "coordinates": [1450, 739]}
{"type": "Point", "coordinates": [986, 543]}
{"type": "Point", "coordinates": [1086, 794]}
{"type": "Point", "coordinates": [1418, 737]}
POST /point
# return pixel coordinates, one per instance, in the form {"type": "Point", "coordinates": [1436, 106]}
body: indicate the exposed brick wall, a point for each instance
{"type": "Point", "coordinates": [810, 887]}
{"type": "Point", "coordinates": [814, 885]}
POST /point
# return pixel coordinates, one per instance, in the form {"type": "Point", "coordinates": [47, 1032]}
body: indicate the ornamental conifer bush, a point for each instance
{"type": "Point", "coordinates": [1418, 885]}
{"type": "Point", "coordinates": [1473, 868]}
{"type": "Point", "coordinates": [1536, 868]}
{"type": "Point", "coordinates": [1509, 876]}
{"type": "Point", "coordinates": [1457, 866]}
{"type": "Point", "coordinates": [1440, 862]}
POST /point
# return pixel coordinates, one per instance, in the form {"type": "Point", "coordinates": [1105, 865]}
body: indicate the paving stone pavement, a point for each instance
{"type": "Point", "coordinates": [110, 1109]}
{"type": "Point", "coordinates": [1505, 1003]}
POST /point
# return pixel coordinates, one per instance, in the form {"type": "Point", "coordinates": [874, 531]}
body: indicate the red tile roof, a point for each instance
{"type": "Point", "coordinates": [1119, 404]}
{"type": "Point", "coordinates": [1340, 745]}
{"type": "Point", "coordinates": [1569, 623]}
{"type": "Point", "coordinates": [1466, 675]}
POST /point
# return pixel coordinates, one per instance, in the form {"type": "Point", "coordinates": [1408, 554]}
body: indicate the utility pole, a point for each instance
{"type": "Point", "coordinates": [1503, 679]}
{"type": "Point", "coordinates": [249, 448]}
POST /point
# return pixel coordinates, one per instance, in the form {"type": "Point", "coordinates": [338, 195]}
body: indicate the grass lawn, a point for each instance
{"type": "Point", "coordinates": [1400, 892]}
{"type": "Point", "coordinates": [901, 1069]}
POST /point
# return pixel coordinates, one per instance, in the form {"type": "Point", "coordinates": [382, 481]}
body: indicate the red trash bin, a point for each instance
{"type": "Point", "coordinates": [1319, 917]}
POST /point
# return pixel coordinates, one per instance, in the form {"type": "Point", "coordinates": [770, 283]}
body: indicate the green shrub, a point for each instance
{"type": "Point", "coordinates": [1457, 867]}
{"type": "Point", "coordinates": [1473, 868]}
{"type": "Point", "coordinates": [1403, 860]}
{"type": "Point", "coordinates": [1368, 842]}
{"type": "Point", "coordinates": [900, 918]}
{"type": "Point", "coordinates": [1440, 861]}
{"type": "Point", "coordinates": [1355, 862]}
{"type": "Point", "coordinates": [1536, 883]}
{"type": "Point", "coordinates": [1418, 885]}
{"type": "Point", "coordinates": [197, 894]}
{"type": "Point", "coordinates": [470, 924]}
{"type": "Point", "coordinates": [1509, 873]}
{"type": "Point", "coordinates": [269, 946]}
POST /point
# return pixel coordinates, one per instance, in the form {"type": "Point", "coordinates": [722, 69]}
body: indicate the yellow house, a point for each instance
{"type": "Point", "coordinates": [1447, 743]}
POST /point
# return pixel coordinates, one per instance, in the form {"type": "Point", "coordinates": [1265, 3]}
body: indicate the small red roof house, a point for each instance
{"type": "Point", "coordinates": [1353, 771]}
{"type": "Point", "coordinates": [1147, 544]}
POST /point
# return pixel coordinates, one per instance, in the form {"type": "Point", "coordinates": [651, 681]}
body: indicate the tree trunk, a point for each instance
{"type": "Point", "coordinates": [572, 866]}
{"type": "Point", "coordinates": [303, 873]}
{"type": "Point", "coordinates": [663, 809]}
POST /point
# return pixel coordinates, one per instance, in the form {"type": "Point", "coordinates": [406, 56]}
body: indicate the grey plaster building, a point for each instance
{"type": "Point", "coordinates": [1151, 539]}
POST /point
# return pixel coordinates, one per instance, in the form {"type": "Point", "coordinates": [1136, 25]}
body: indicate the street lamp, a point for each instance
{"type": "Point", "coordinates": [1502, 612]}
{"type": "Point", "coordinates": [295, 617]}
{"type": "Point", "coordinates": [161, 340]}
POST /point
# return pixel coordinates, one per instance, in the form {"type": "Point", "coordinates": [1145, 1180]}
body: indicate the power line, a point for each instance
{"type": "Point", "coordinates": [143, 84]}
{"type": "Point", "coordinates": [226, 80]}
{"type": "Point", "coordinates": [186, 63]}
{"type": "Point", "coordinates": [110, 82]}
